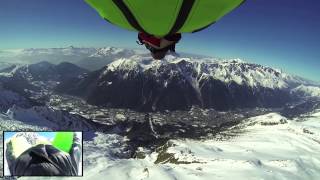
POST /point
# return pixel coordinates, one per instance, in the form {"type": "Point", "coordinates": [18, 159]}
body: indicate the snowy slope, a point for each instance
{"type": "Point", "coordinates": [9, 98]}
{"type": "Point", "coordinates": [9, 71]}
{"type": "Point", "coordinates": [268, 147]}
{"type": "Point", "coordinates": [312, 91]}
{"type": "Point", "coordinates": [7, 124]}
{"type": "Point", "coordinates": [49, 118]}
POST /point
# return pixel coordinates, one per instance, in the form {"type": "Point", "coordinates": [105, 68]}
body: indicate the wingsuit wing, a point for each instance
{"type": "Point", "coordinates": [163, 17]}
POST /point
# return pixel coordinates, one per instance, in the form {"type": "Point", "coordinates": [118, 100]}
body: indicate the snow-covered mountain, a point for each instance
{"type": "Point", "coordinates": [112, 51]}
{"type": "Point", "coordinates": [26, 85]}
{"type": "Point", "coordinates": [10, 98]}
{"type": "Point", "coordinates": [309, 91]}
{"type": "Point", "coordinates": [88, 58]}
{"type": "Point", "coordinates": [228, 71]}
{"type": "Point", "coordinates": [34, 55]}
{"type": "Point", "coordinates": [247, 142]}
{"type": "Point", "coordinates": [43, 71]}
{"type": "Point", "coordinates": [177, 83]}
{"type": "Point", "coordinates": [139, 82]}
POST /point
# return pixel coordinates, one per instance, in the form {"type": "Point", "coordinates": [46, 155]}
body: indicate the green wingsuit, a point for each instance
{"type": "Point", "coordinates": [163, 17]}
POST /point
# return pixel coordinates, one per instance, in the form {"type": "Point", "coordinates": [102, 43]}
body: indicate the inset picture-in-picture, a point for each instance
{"type": "Point", "coordinates": [42, 153]}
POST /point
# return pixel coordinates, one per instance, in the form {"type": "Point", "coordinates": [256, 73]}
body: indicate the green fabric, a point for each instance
{"type": "Point", "coordinates": [157, 17]}
{"type": "Point", "coordinates": [205, 12]}
{"type": "Point", "coordinates": [63, 141]}
{"type": "Point", "coordinates": [108, 10]}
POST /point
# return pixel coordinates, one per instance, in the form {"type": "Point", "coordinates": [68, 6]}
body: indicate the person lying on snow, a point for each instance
{"type": "Point", "coordinates": [159, 46]}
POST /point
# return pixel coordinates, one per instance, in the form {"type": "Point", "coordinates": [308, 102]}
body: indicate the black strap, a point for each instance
{"type": "Point", "coordinates": [200, 29]}
{"type": "Point", "coordinates": [128, 14]}
{"type": "Point", "coordinates": [108, 20]}
{"type": "Point", "coordinates": [183, 15]}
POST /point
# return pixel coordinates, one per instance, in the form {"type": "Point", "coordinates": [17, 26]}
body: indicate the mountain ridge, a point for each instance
{"type": "Point", "coordinates": [145, 84]}
{"type": "Point", "coordinates": [130, 79]}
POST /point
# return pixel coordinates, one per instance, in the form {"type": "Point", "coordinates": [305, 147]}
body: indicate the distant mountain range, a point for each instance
{"type": "Point", "coordinates": [43, 71]}
{"type": "Point", "coordinates": [19, 82]}
{"type": "Point", "coordinates": [142, 83]}
{"type": "Point", "coordinates": [89, 58]}
{"type": "Point", "coordinates": [218, 103]}
{"type": "Point", "coordinates": [134, 80]}
{"type": "Point", "coordinates": [309, 91]}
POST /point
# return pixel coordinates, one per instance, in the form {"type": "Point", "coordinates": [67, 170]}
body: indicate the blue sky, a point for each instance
{"type": "Point", "coordinates": [278, 33]}
{"type": "Point", "coordinates": [48, 135]}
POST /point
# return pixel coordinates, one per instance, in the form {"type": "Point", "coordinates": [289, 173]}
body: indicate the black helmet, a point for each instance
{"type": "Point", "coordinates": [44, 160]}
